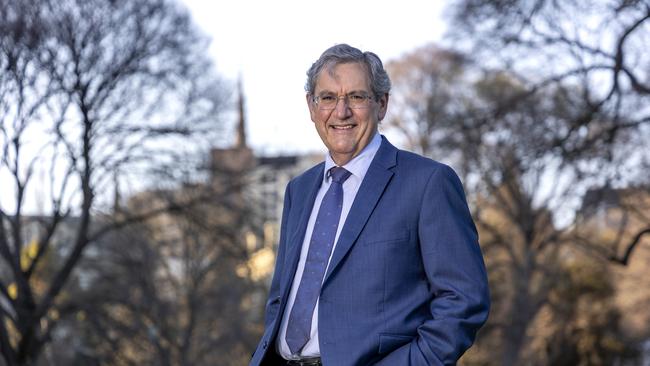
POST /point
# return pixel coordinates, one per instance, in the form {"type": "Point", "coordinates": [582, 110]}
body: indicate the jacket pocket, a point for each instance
{"type": "Point", "coordinates": [390, 342]}
{"type": "Point", "coordinates": [387, 237]}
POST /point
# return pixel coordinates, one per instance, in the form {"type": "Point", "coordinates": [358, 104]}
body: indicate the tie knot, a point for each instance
{"type": "Point", "coordinates": [339, 175]}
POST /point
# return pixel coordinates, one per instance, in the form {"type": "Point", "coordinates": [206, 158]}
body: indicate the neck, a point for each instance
{"type": "Point", "coordinates": [342, 159]}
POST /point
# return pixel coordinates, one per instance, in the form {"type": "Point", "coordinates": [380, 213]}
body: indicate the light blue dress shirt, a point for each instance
{"type": "Point", "coordinates": [358, 166]}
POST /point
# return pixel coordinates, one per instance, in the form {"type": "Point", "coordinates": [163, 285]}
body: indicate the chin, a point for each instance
{"type": "Point", "coordinates": [342, 151]}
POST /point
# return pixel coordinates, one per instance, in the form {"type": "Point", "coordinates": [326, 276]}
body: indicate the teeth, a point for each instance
{"type": "Point", "coordinates": [347, 127]}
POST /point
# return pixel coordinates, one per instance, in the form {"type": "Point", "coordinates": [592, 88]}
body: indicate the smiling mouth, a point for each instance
{"type": "Point", "coordinates": [343, 127]}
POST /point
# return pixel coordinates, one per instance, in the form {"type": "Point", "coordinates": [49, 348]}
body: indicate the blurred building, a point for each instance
{"type": "Point", "coordinates": [259, 182]}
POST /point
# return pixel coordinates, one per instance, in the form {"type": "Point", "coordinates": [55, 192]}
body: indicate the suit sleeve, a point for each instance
{"type": "Point", "coordinates": [457, 278]}
{"type": "Point", "coordinates": [273, 303]}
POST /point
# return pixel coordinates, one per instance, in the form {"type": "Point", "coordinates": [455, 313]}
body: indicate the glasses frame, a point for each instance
{"type": "Point", "coordinates": [367, 98]}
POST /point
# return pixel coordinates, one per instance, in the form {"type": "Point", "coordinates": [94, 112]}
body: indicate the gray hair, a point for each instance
{"type": "Point", "coordinates": [343, 53]}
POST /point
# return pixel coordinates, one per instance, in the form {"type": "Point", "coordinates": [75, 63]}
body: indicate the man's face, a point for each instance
{"type": "Point", "coordinates": [346, 131]}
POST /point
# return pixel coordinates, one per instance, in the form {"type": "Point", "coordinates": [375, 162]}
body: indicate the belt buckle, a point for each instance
{"type": "Point", "coordinates": [305, 362]}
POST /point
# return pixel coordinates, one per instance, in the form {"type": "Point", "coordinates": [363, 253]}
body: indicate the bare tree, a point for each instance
{"type": "Point", "coordinates": [94, 92]}
{"type": "Point", "coordinates": [591, 55]}
{"type": "Point", "coordinates": [599, 46]}
{"type": "Point", "coordinates": [425, 98]}
{"type": "Point", "coordinates": [508, 138]}
{"type": "Point", "coordinates": [165, 292]}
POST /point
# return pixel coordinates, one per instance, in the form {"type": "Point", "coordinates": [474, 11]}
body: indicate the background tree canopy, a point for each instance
{"type": "Point", "coordinates": [93, 95]}
{"type": "Point", "coordinates": [542, 106]}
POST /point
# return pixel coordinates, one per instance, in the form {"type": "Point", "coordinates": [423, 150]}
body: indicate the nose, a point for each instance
{"type": "Point", "coordinates": [342, 109]}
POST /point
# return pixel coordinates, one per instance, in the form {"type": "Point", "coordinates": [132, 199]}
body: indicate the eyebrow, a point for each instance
{"type": "Point", "coordinates": [323, 92]}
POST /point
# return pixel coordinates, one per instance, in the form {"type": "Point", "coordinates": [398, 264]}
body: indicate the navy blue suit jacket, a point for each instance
{"type": "Point", "coordinates": [406, 284]}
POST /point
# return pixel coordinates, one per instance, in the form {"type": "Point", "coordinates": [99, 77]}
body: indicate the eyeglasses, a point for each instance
{"type": "Point", "coordinates": [353, 100]}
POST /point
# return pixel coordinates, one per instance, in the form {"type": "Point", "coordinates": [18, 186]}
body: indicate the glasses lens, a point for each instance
{"type": "Point", "coordinates": [357, 100]}
{"type": "Point", "coordinates": [327, 101]}
{"type": "Point", "coordinates": [354, 101]}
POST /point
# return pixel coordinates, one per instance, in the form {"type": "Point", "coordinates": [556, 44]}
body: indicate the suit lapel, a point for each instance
{"type": "Point", "coordinates": [314, 179]}
{"type": "Point", "coordinates": [371, 189]}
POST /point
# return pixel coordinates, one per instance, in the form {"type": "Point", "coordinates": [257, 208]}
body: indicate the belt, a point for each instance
{"type": "Point", "coordinates": [313, 361]}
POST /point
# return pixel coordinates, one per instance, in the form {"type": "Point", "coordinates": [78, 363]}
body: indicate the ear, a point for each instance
{"type": "Point", "coordinates": [311, 106]}
{"type": "Point", "coordinates": [383, 107]}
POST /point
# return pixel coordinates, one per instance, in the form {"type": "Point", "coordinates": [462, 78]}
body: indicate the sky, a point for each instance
{"type": "Point", "coordinates": [271, 44]}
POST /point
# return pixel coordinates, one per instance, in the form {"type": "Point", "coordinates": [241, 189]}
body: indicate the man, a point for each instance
{"type": "Point", "coordinates": [378, 260]}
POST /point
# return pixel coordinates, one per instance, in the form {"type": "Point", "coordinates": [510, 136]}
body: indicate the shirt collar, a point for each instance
{"type": "Point", "coordinates": [359, 165]}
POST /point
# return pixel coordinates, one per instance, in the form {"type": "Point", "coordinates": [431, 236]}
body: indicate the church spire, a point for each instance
{"type": "Point", "coordinates": [117, 197]}
{"type": "Point", "coordinates": [241, 124]}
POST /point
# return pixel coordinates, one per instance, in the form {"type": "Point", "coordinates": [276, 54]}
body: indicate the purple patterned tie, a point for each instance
{"type": "Point", "coordinates": [320, 247]}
